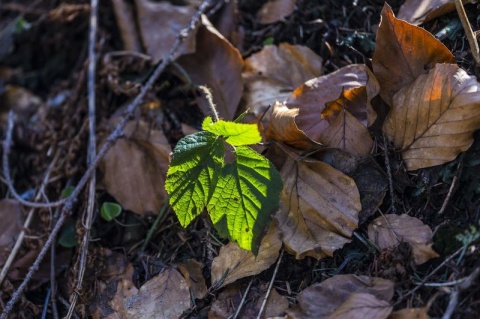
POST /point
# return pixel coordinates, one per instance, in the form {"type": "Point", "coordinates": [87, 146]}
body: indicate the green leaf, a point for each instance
{"type": "Point", "coordinates": [234, 133]}
{"type": "Point", "coordinates": [191, 174]}
{"type": "Point", "coordinates": [246, 194]}
{"type": "Point", "coordinates": [67, 236]}
{"type": "Point", "coordinates": [110, 211]}
{"type": "Point", "coordinates": [67, 191]}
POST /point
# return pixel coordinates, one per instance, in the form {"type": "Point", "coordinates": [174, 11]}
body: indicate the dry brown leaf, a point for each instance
{"type": "Point", "coordinates": [19, 100]}
{"type": "Point", "coordinates": [134, 169]}
{"type": "Point", "coordinates": [410, 313]}
{"type": "Point", "coordinates": [170, 19]}
{"type": "Point", "coordinates": [348, 134]}
{"type": "Point", "coordinates": [322, 299]}
{"type": "Point", "coordinates": [319, 208]}
{"type": "Point", "coordinates": [114, 287]}
{"type": "Point", "coordinates": [282, 128]}
{"type": "Point", "coordinates": [432, 120]}
{"type": "Point", "coordinates": [389, 230]}
{"type": "Point", "coordinates": [403, 52]}
{"type": "Point", "coordinates": [275, 10]}
{"type": "Point", "coordinates": [340, 90]}
{"type": "Point", "coordinates": [238, 263]}
{"type": "Point", "coordinates": [218, 65]}
{"type": "Point", "coordinates": [361, 306]}
{"type": "Point", "coordinates": [417, 12]}
{"type": "Point", "coordinates": [229, 299]}
{"type": "Point", "coordinates": [192, 271]}
{"type": "Point", "coordinates": [274, 72]}
{"type": "Point", "coordinates": [165, 296]}
{"type": "Point", "coordinates": [10, 227]}
{"type": "Point", "coordinates": [124, 15]}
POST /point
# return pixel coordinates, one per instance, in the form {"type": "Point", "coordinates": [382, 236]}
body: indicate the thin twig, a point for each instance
{"type": "Point", "coordinates": [28, 220]}
{"type": "Point", "coordinates": [389, 174]}
{"type": "Point", "coordinates": [427, 277]}
{"type": "Point", "coordinates": [211, 105]}
{"type": "Point", "coordinates": [472, 39]}
{"type": "Point", "coordinates": [112, 138]}
{"type": "Point", "coordinates": [88, 213]}
{"type": "Point", "coordinates": [267, 294]}
{"type": "Point", "coordinates": [242, 302]}
{"type": "Point", "coordinates": [452, 187]}
{"type": "Point", "coordinates": [455, 294]}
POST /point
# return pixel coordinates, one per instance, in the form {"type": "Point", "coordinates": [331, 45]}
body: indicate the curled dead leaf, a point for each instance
{"type": "Point", "coordinates": [233, 262]}
{"type": "Point", "coordinates": [403, 52]}
{"type": "Point", "coordinates": [319, 208]}
{"type": "Point", "coordinates": [432, 119]}
{"type": "Point", "coordinates": [389, 230]}
{"type": "Point", "coordinates": [323, 104]}
{"type": "Point", "coordinates": [282, 128]}
{"type": "Point", "coordinates": [192, 272]}
{"type": "Point", "coordinates": [417, 12]}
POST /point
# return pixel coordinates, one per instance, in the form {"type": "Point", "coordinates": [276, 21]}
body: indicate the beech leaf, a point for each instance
{"type": "Point", "coordinates": [432, 120]}
{"type": "Point", "coordinates": [403, 52]}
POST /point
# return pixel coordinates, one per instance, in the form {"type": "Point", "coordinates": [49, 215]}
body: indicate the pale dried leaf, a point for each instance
{"type": "Point", "coordinates": [164, 296]}
{"type": "Point", "coordinates": [319, 208]}
{"type": "Point", "coordinates": [10, 227]}
{"type": "Point", "coordinates": [170, 19]}
{"type": "Point", "coordinates": [360, 306]}
{"type": "Point", "coordinates": [275, 10]}
{"type": "Point", "coordinates": [403, 52]}
{"type": "Point", "coordinates": [238, 263]}
{"type": "Point", "coordinates": [348, 134]}
{"type": "Point", "coordinates": [134, 169]}
{"type": "Point", "coordinates": [389, 230]}
{"type": "Point", "coordinates": [192, 271]}
{"type": "Point", "coordinates": [282, 128]}
{"type": "Point", "coordinates": [274, 72]}
{"type": "Point", "coordinates": [410, 313]}
{"type": "Point", "coordinates": [432, 120]}
{"type": "Point", "coordinates": [417, 12]}
{"type": "Point", "coordinates": [312, 97]}
{"type": "Point", "coordinates": [320, 300]}
{"type": "Point", "coordinates": [217, 65]}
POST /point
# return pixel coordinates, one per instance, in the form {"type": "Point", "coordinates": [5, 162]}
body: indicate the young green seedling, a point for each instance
{"type": "Point", "coordinates": [240, 196]}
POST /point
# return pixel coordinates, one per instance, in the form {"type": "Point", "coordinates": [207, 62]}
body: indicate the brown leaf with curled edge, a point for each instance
{"type": "Point", "coordinates": [282, 128]}
{"type": "Point", "coordinates": [135, 168]}
{"type": "Point", "coordinates": [410, 313]}
{"type": "Point", "coordinates": [218, 65]}
{"type": "Point", "coordinates": [275, 10]}
{"type": "Point", "coordinates": [320, 300]}
{"type": "Point", "coordinates": [389, 230]}
{"type": "Point", "coordinates": [432, 120]}
{"type": "Point", "coordinates": [403, 52]}
{"type": "Point", "coordinates": [173, 20]}
{"type": "Point", "coordinates": [339, 90]}
{"type": "Point", "coordinates": [192, 272]}
{"type": "Point", "coordinates": [417, 12]}
{"type": "Point", "coordinates": [238, 263]}
{"type": "Point", "coordinates": [164, 296]}
{"type": "Point", "coordinates": [362, 305]}
{"type": "Point", "coordinates": [319, 207]}
{"type": "Point", "coordinates": [274, 72]}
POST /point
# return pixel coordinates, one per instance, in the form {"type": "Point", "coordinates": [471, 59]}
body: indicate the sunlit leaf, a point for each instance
{"type": "Point", "coordinates": [234, 133]}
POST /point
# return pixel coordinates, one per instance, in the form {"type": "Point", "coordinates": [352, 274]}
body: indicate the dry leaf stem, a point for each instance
{"type": "Point", "coordinates": [472, 39]}
{"type": "Point", "coordinates": [112, 138]}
